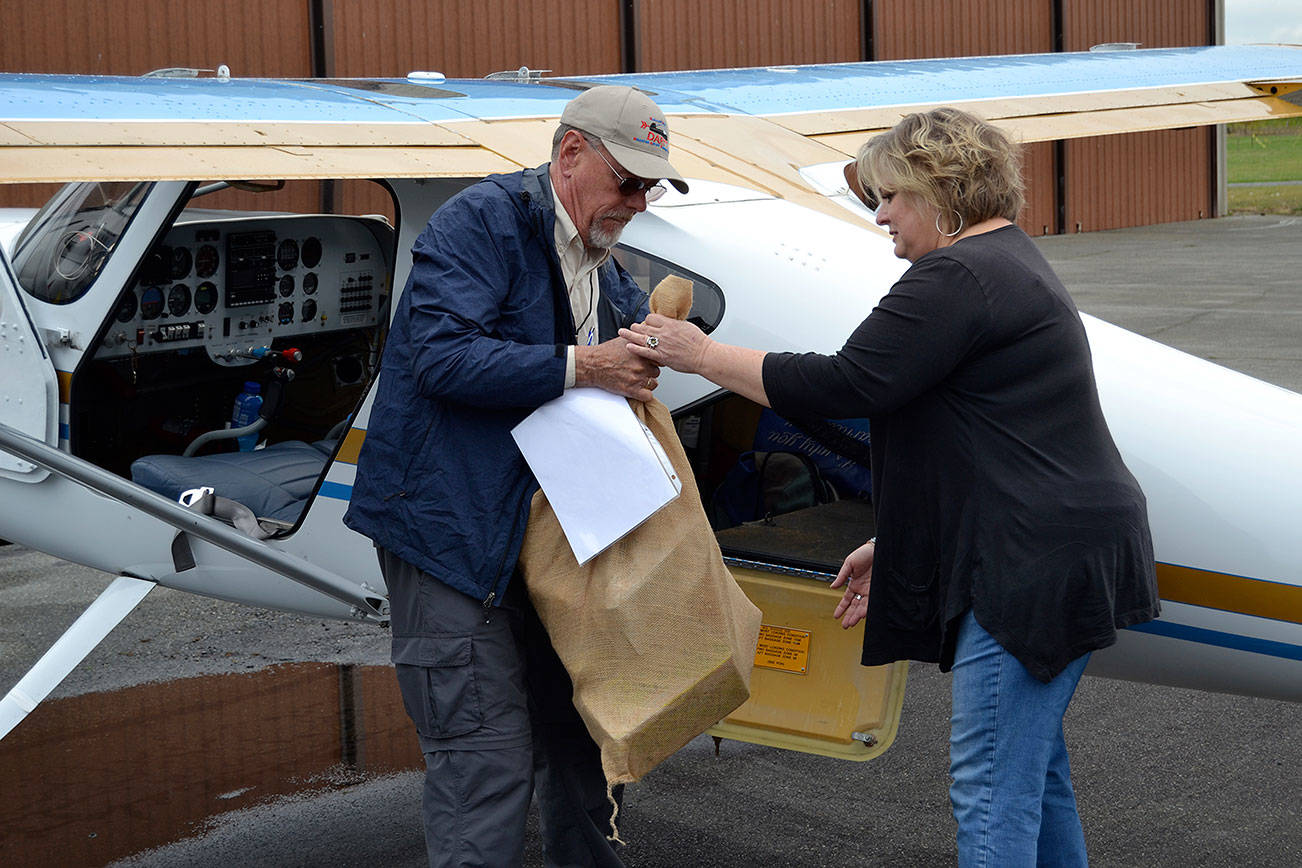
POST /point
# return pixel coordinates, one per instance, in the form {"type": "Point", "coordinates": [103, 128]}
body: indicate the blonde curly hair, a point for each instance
{"type": "Point", "coordinates": [951, 159]}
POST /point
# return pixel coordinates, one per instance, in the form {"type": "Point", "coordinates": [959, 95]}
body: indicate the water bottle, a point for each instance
{"type": "Point", "coordinates": [245, 412]}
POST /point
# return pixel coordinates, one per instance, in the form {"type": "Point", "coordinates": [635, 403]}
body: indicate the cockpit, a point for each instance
{"type": "Point", "coordinates": [223, 296]}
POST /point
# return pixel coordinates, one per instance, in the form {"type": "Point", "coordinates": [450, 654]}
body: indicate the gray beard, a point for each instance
{"type": "Point", "coordinates": [601, 237]}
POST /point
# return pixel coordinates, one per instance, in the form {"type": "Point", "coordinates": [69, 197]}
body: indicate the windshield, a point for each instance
{"type": "Point", "coordinates": [64, 247]}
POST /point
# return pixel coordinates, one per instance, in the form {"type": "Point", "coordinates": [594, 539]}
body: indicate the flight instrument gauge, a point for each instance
{"type": "Point", "coordinates": [127, 307]}
{"type": "Point", "coordinates": [151, 302]}
{"type": "Point", "coordinates": [205, 261]}
{"type": "Point", "coordinates": [309, 283]}
{"type": "Point", "coordinates": [205, 297]}
{"type": "Point", "coordinates": [311, 252]}
{"type": "Point", "coordinates": [286, 285]}
{"type": "Point", "coordinates": [309, 310]}
{"type": "Point", "coordinates": [178, 300]}
{"type": "Point", "coordinates": [287, 254]}
{"type": "Point", "coordinates": [181, 262]}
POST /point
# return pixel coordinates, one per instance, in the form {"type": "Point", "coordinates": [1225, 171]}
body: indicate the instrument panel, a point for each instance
{"type": "Point", "coordinates": [233, 285]}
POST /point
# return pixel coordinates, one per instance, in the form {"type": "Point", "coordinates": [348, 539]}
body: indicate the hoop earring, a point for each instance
{"type": "Point", "coordinates": [956, 231]}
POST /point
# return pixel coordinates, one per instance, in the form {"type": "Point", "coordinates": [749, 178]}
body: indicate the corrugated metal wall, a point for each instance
{"type": "Point", "coordinates": [1142, 178]}
{"type": "Point", "coordinates": [905, 29]}
{"type": "Point", "coordinates": [1040, 172]}
{"type": "Point", "coordinates": [709, 34]}
{"type": "Point", "coordinates": [132, 37]}
{"type": "Point", "coordinates": [1153, 24]}
{"type": "Point", "coordinates": [462, 39]}
{"type": "Point", "coordinates": [1135, 180]}
{"type": "Point", "coordinates": [26, 195]}
{"type": "Point", "coordinates": [348, 197]}
{"type": "Point", "coordinates": [363, 197]}
{"type": "Point", "coordinates": [573, 37]}
{"type": "Point", "coordinates": [472, 38]}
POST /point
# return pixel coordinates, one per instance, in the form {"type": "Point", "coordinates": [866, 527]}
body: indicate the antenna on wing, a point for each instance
{"type": "Point", "coordinates": [222, 72]}
{"type": "Point", "coordinates": [524, 75]}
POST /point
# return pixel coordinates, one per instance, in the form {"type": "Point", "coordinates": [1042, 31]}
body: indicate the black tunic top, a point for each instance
{"type": "Point", "coordinates": [996, 483]}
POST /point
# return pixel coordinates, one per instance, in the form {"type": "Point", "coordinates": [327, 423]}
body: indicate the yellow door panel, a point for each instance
{"type": "Point", "coordinates": [808, 690]}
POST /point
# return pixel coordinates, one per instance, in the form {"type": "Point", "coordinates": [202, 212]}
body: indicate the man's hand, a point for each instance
{"type": "Point", "coordinates": [612, 367]}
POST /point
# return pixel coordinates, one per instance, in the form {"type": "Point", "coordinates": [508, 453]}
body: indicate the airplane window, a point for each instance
{"type": "Point", "coordinates": [648, 271]}
{"type": "Point", "coordinates": [66, 244]}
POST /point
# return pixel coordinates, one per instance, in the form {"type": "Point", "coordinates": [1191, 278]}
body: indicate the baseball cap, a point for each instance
{"type": "Point", "coordinates": [630, 125]}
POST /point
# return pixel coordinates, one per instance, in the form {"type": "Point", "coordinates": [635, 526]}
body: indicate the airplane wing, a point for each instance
{"type": "Point", "coordinates": [1038, 97]}
{"type": "Point", "coordinates": [747, 127]}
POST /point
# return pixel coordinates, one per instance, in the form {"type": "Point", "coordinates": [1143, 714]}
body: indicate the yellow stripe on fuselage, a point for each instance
{"type": "Point", "coordinates": [352, 445]}
{"type": "Point", "coordinates": [1229, 593]}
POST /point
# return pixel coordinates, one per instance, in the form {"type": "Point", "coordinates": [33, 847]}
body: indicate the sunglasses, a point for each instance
{"type": "Point", "coordinates": [628, 186]}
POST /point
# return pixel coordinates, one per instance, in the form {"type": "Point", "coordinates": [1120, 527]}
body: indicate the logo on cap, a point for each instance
{"type": "Point", "coordinates": [656, 135]}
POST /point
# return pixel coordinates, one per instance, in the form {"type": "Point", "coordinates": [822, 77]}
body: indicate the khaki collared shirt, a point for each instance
{"type": "Point", "coordinates": [579, 266]}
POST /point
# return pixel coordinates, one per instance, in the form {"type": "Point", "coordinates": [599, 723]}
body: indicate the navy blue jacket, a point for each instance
{"type": "Point", "coordinates": [477, 342]}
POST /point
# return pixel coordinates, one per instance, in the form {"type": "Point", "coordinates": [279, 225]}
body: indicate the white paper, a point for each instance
{"type": "Point", "coordinates": [602, 470]}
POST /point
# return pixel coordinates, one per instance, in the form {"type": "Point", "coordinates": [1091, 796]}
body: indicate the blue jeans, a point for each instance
{"type": "Point", "coordinates": [1012, 794]}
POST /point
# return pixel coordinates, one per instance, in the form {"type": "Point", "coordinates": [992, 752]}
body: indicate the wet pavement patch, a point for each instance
{"type": "Point", "coordinates": [92, 778]}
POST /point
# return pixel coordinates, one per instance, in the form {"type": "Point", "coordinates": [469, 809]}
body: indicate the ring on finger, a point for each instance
{"type": "Point", "coordinates": [652, 341]}
{"type": "Point", "coordinates": [858, 596]}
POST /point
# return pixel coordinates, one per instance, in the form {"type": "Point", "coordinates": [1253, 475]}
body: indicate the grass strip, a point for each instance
{"type": "Point", "coordinates": [1263, 157]}
{"type": "Point", "coordinates": [1284, 199]}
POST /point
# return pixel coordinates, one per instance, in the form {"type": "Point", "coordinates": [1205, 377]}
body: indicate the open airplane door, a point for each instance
{"type": "Point", "coordinates": [29, 392]}
{"type": "Point", "coordinates": [808, 691]}
{"type": "Point", "coordinates": [786, 510]}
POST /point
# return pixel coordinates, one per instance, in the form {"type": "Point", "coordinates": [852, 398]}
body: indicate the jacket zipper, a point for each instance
{"type": "Point", "coordinates": [492, 594]}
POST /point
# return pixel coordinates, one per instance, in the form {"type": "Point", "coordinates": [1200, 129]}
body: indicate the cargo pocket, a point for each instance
{"type": "Point", "coordinates": [436, 675]}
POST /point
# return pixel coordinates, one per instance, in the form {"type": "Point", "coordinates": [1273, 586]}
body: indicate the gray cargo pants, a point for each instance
{"type": "Point", "coordinates": [492, 706]}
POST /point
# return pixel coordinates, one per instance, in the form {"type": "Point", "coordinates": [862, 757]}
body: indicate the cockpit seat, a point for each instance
{"type": "Point", "coordinates": [273, 482]}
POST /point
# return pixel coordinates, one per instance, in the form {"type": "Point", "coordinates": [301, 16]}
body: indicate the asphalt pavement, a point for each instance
{"type": "Point", "coordinates": [1163, 776]}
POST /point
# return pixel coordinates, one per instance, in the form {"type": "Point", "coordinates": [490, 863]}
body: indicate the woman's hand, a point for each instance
{"type": "Point", "coordinates": [683, 347]}
{"type": "Point", "coordinates": [673, 343]}
{"type": "Point", "coordinates": [856, 575]}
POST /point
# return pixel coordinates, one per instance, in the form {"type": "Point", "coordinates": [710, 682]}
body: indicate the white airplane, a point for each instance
{"type": "Point", "coordinates": [217, 231]}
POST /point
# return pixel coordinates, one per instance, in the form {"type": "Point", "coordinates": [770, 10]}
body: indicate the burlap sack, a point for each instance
{"type": "Point", "coordinates": [655, 633]}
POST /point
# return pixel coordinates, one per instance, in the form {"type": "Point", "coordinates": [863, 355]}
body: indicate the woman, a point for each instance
{"type": "Point", "coordinates": [1012, 540]}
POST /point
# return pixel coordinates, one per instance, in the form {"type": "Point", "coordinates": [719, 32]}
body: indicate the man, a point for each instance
{"type": "Point", "coordinates": [513, 297]}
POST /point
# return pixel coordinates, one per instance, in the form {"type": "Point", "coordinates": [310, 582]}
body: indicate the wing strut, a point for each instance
{"type": "Point", "coordinates": [365, 602]}
{"type": "Point", "coordinates": [71, 648]}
